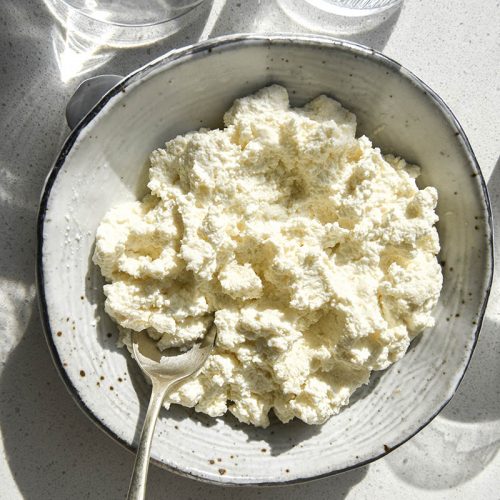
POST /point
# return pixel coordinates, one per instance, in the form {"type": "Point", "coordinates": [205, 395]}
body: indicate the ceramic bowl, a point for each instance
{"type": "Point", "coordinates": [103, 163]}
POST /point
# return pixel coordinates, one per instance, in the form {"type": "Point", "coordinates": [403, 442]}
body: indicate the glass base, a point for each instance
{"type": "Point", "coordinates": [124, 23]}
{"type": "Point", "coordinates": [340, 17]}
{"type": "Point", "coordinates": [354, 8]}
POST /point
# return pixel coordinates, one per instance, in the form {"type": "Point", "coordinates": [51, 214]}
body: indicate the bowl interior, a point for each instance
{"type": "Point", "coordinates": [105, 163]}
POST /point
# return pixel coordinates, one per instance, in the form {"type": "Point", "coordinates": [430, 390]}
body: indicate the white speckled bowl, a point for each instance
{"type": "Point", "coordinates": [101, 165]}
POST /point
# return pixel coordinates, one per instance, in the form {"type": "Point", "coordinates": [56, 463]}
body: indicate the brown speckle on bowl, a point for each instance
{"type": "Point", "coordinates": [222, 471]}
{"type": "Point", "coordinates": [287, 470]}
{"type": "Point", "coordinates": [59, 333]}
{"type": "Point", "coordinates": [387, 449]}
{"type": "Point", "coordinates": [211, 461]}
{"type": "Point", "coordinates": [263, 450]}
{"type": "Point", "coordinates": [82, 373]}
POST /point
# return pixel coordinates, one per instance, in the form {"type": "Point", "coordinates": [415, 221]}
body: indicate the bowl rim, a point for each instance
{"type": "Point", "coordinates": [207, 46]}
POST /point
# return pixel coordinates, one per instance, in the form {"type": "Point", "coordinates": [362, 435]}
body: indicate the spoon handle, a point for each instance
{"type": "Point", "coordinates": [137, 488]}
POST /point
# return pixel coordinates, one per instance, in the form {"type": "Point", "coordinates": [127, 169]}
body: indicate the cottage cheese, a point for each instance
{"type": "Point", "coordinates": [316, 254]}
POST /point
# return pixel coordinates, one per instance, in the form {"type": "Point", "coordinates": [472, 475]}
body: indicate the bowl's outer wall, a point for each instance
{"type": "Point", "coordinates": [105, 163]}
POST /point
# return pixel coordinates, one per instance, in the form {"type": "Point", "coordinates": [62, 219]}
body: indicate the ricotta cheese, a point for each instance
{"type": "Point", "coordinates": [315, 253]}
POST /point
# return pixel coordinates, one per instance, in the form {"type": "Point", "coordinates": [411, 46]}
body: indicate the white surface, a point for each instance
{"type": "Point", "coordinates": [50, 449]}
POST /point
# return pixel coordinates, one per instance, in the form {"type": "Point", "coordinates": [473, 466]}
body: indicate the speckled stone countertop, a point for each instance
{"type": "Point", "coordinates": [49, 448]}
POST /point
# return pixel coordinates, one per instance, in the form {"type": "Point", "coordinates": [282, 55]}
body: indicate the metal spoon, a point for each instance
{"type": "Point", "coordinates": [164, 371]}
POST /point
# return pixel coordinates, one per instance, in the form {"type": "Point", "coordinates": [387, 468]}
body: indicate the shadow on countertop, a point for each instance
{"type": "Point", "coordinates": [465, 437]}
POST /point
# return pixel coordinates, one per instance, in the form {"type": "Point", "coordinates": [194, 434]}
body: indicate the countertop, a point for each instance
{"type": "Point", "coordinates": [49, 448]}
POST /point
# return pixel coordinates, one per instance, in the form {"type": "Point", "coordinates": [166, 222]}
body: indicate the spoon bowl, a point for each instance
{"type": "Point", "coordinates": [172, 364]}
